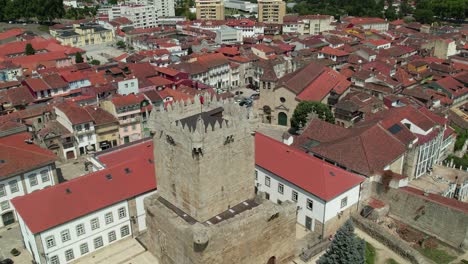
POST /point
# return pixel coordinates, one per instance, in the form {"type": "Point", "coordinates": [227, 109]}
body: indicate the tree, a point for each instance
{"type": "Point", "coordinates": [95, 62]}
{"type": "Point", "coordinates": [29, 49]}
{"type": "Point", "coordinates": [78, 58]}
{"type": "Point", "coordinates": [424, 16]}
{"type": "Point", "coordinates": [120, 44]}
{"type": "Point", "coordinates": [304, 108]}
{"type": "Point", "coordinates": [346, 247]}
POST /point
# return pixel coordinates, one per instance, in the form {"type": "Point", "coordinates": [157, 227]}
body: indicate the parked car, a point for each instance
{"type": "Point", "coordinates": [6, 261]}
{"type": "Point", "coordinates": [246, 103]}
{"type": "Point", "coordinates": [255, 96]}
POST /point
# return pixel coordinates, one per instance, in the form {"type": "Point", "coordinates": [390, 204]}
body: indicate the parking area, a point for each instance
{"type": "Point", "coordinates": [10, 238]}
{"type": "Point", "coordinates": [102, 52]}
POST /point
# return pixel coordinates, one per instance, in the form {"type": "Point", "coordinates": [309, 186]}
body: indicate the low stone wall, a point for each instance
{"type": "Point", "coordinates": [396, 244]}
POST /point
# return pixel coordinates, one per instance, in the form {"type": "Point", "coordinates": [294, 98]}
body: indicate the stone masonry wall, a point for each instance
{"type": "Point", "coordinates": [251, 237]}
{"type": "Point", "coordinates": [398, 245]}
{"type": "Point", "coordinates": [445, 223]}
{"type": "Point", "coordinates": [220, 174]}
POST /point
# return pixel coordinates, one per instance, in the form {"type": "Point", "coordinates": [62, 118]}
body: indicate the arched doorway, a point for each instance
{"type": "Point", "coordinates": [272, 260]}
{"type": "Point", "coordinates": [282, 119]}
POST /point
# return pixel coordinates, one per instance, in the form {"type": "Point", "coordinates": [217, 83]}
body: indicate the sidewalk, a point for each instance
{"type": "Point", "coordinates": [123, 251]}
{"type": "Point", "coordinates": [383, 252]}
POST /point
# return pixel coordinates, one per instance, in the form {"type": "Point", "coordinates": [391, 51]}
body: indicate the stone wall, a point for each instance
{"type": "Point", "coordinates": [332, 225]}
{"type": "Point", "coordinates": [399, 246]}
{"type": "Point", "coordinates": [204, 170]}
{"type": "Point", "coordinates": [251, 237]}
{"type": "Point", "coordinates": [428, 214]}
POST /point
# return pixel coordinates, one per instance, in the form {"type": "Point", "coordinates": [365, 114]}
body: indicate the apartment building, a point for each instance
{"type": "Point", "coordinates": [80, 35]}
{"type": "Point", "coordinates": [90, 212]}
{"type": "Point", "coordinates": [210, 9]}
{"type": "Point", "coordinates": [271, 11]}
{"type": "Point", "coordinates": [26, 168]}
{"type": "Point", "coordinates": [325, 194]}
{"type": "Point", "coordinates": [81, 125]}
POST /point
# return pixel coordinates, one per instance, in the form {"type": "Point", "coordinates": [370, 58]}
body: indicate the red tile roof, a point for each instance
{"type": "Point", "coordinates": [335, 52]}
{"type": "Point", "coordinates": [127, 100]}
{"type": "Point", "coordinates": [19, 156]}
{"type": "Point", "coordinates": [17, 96]}
{"type": "Point", "coordinates": [89, 193]}
{"type": "Point", "coordinates": [100, 116]}
{"type": "Point", "coordinates": [11, 33]}
{"type": "Point", "coordinates": [76, 114]}
{"type": "Point", "coordinates": [160, 81]}
{"type": "Point", "coordinates": [311, 174]}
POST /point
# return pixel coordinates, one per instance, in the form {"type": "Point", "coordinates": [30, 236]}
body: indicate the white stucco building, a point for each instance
{"type": "Point", "coordinates": [228, 35]}
{"type": "Point", "coordinates": [26, 168]}
{"type": "Point", "coordinates": [90, 212]}
{"type": "Point", "coordinates": [78, 121]}
{"type": "Point", "coordinates": [325, 194]}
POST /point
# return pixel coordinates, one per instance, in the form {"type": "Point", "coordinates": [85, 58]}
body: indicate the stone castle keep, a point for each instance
{"type": "Point", "coordinates": [206, 210]}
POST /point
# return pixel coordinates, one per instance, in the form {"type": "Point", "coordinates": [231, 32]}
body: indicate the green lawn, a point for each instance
{"type": "Point", "coordinates": [391, 261]}
{"type": "Point", "coordinates": [370, 253]}
{"type": "Point", "coordinates": [437, 255]}
{"type": "Point", "coordinates": [43, 28]}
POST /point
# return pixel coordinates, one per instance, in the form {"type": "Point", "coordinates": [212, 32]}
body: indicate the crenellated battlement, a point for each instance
{"type": "Point", "coordinates": [174, 122]}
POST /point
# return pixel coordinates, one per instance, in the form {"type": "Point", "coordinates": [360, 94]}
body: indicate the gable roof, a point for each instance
{"type": "Point", "coordinates": [359, 149]}
{"type": "Point", "coordinates": [313, 82]}
{"type": "Point", "coordinates": [18, 156]}
{"type": "Point", "coordinates": [311, 174]}
{"type": "Point", "coordinates": [89, 193]}
{"type": "Point", "coordinates": [76, 114]}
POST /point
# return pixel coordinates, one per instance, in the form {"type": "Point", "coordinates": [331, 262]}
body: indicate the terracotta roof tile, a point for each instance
{"type": "Point", "coordinates": [20, 157]}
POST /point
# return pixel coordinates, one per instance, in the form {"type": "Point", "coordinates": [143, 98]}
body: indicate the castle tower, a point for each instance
{"type": "Point", "coordinates": [206, 209]}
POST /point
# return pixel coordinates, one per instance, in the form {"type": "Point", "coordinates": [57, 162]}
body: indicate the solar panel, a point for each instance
{"type": "Point", "coordinates": [395, 129]}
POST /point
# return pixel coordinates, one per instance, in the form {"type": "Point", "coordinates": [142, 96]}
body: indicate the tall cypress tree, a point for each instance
{"type": "Point", "coordinates": [346, 247]}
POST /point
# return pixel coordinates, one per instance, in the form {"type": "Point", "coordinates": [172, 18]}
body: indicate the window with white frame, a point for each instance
{"type": "Point", "coordinates": [94, 223]}
{"type": "Point", "coordinates": [109, 218]}
{"type": "Point", "coordinates": [5, 205]}
{"type": "Point", "coordinates": [310, 204]}
{"type": "Point", "coordinates": [13, 186]}
{"type": "Point", "coordinates": [344, 202]}
{"type": "Point", "coordinates": [50, 241]}
{"type": "Point", "coordinates": [65, 234]}
{"type": "Point", "coordinates": [80, 229]}
{"type": "Point", "coordinates": [98, 242]}
{"type": "Point", "coordinates": [124, 231]}
{"type": "Point", "coordinates": [84, 248]}
{"type": "Point", "coordinates": [69, 254]}
{"type": "Point", "coordinates": [294, 196]}
{"type": "Point", "coordinates": [32, 180]}
{"type": "Point", "coordinates": [45, 176]}
{"type": "Point", "coordinates": [280, 188]}
{"type": "Point", "coordinates": [2, 190]}
{"type": "Point", "coordinates": [122, 212]}
{"type": "Point", "coordinates": [267, 181]}
{"type": "Point", "coordinates": [54, 260]}
{"type": "Point", "coordinates": [112, 236]}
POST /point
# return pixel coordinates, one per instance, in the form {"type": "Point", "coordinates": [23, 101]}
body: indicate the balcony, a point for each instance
{"type": "Point", "coordinates": [131, 120]}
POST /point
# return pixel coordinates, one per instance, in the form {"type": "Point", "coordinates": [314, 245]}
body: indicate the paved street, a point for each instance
{"type": "Point", "coordinates": [10, 237]}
